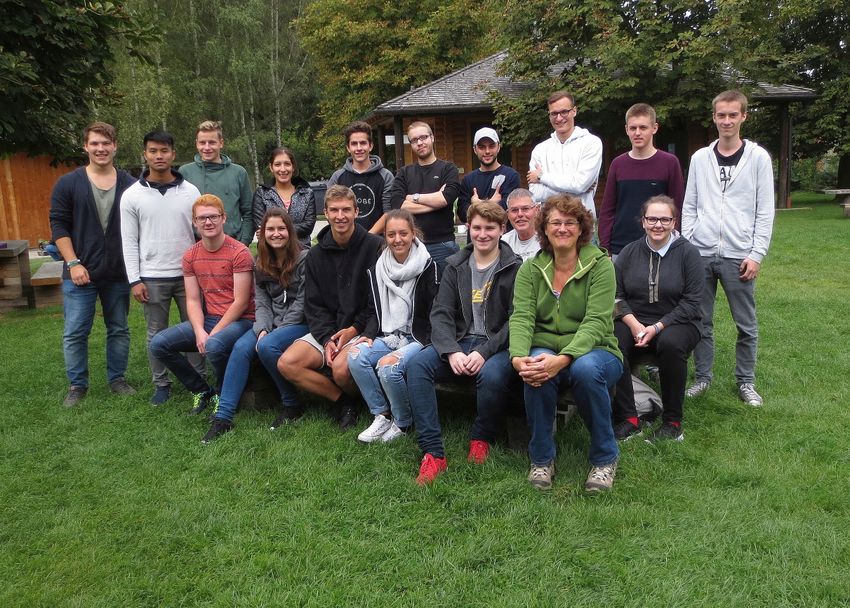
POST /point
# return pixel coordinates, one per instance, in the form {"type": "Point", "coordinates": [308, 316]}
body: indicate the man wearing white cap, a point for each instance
{"type": "Point", "coordinates": [491, 181]}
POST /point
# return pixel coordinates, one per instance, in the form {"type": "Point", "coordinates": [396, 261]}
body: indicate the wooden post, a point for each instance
{"type": "Point", "coordinates": [784, 190]}
{"type": "Point", "coordinates": [399, 142]}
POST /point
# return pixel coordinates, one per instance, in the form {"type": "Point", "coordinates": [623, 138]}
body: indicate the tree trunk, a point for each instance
{"type": "Point", "coordinates": [274, 65]}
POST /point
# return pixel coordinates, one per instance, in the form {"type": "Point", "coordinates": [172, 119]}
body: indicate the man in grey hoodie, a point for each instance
{"type": "Point", "coordinates": [728, 215]}
{"type": "Point", "coordinates": [570, 160]}
{"type": "Point", "coordinates": [366, 175]}
{"type": "Point", "coordinates": [214, 173]}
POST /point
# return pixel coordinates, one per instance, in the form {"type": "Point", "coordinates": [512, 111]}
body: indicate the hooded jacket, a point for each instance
{"type": "Point", "coordinates": [229, 182]}
{"type": "Point", "coordinates": [654, 288]}
{"type": "Point", "coordinates": [451, 315]}
{"type": "Point", "coordinates": [571, 167]}
{"type": "Point", "coordinates": [737, 223]}
{"type": "Point", "coordinates": [276, 305]}
{"type": "Point", "coordinates": [575, 323]}
{"type": "Point", "coordinates": [156, 228]}
{"type": "Point", "coordinates": [73, 214]}
{"type": "Point", "coordinates": [337, 288]}
{"type": "Point", "coordinates": [423, 299]}
{"type": "Point", "coordinates": [302, 207]}
{"type": "Point", "coordinates": [372, 189]}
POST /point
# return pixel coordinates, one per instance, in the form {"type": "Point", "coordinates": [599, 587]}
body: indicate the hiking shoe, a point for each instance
{"type": "Point", "coordinates": [667, 430]}
{"type": "Point", "coordinates": [747, 393]}
{"type": "Point", "coordinates": [697, 388]}
{"type": "Point", "coordinates": [478, 451]}
{"type": "Point", "coordinates": [219, 427]}
{"type": "Point", "coordinates": [430, 468]}
{"type": "Point", "coordinates": [121, 387]}
{"type": "Point", "coordinates": [286, 415]}
{"type": "Point", "coordinates": [74, 395]}
{"type": "Point", "coordinates": [625, 430]}
{"type": "Point", "coordinates": [653, 373]}
{"type": "Point", "coordinates": [600, 478]}
{"type": "Point", "coordinates": [347, 417]}
{"type": "Point", "coordinates": [541, 475]}
{"type": "Point", "coordinates": [375, 431]}
{"type": "Point", "coordinates": [200, 401]}
{"type": "Point", "coordinates": [392, 433]}
{"type": "Point", "coordinates": [160, 395]}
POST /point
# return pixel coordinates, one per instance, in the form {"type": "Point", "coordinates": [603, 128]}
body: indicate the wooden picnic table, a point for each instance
{"type": "Point", "coordinates": [842, 197]}
{"type": "Point", "coordinates": [15, 287]}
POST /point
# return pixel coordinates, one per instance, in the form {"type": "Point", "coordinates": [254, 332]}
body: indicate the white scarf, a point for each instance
{"type": "Point", "coordinates": [396, 283]}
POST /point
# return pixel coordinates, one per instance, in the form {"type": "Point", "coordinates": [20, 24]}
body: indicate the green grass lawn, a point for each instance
{"type": "Point", "coordinates": [115, 503]}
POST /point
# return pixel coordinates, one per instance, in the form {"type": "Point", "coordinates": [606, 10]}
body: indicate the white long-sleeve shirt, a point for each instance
{"type": "Point", "coordinates": [570, 167]}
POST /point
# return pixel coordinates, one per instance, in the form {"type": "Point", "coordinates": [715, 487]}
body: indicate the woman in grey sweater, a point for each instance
{"type": "Point", "coordinates": [659, 287]}
{"type": "Point", "coordinates": [279, 321]}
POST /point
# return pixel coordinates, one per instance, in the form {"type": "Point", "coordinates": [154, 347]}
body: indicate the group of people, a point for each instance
{"type": "Point", "coordinates": [386, 305]}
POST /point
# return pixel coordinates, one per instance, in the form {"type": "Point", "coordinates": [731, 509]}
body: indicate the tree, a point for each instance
{"type": "Point", "coordinates": [55, 67]}
{"type": "Point", "coordinates": [368, 51]}
{"type": "Point", "coordinates": [612, 53]}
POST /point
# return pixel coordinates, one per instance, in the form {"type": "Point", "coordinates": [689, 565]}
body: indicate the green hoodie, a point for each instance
{"type": "Point", "coordinates": [575, 323]}
{"type": "Point", "coordinates": [229, 182]}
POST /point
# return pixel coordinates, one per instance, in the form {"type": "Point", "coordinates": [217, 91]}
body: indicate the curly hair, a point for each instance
{"type": "Point", "coordinates": [568, 205]}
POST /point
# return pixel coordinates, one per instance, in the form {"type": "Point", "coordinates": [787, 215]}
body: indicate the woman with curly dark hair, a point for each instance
{"type": "Point", "coordinates": [562, 335]}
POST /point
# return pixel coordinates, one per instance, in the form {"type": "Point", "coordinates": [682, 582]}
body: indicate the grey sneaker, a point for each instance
{"type": "Point", "coordinates": [747, 393]}
{"type": "Point", "coordinates": [74, 395]}
{"type": "Point", "coordinates": [601, 478]}
{"type": "Point", "coordinates": [541, 475]}
{"type": "Point", "coordinates": [697, 388]}
{"type": "Point", "coordinates": [121, 387]}
{"type": "Point", "coordinates": [667, 431]}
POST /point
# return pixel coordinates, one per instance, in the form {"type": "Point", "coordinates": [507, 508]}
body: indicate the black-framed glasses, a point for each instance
{"type": "Point", "coordinates": [416, 140]}
{"type": "Point", "coordinates": [203, 219]}
{"type": "Point", "coordinates": [664, 221]}
{"type": "Point", "coordinates": [560, 113]}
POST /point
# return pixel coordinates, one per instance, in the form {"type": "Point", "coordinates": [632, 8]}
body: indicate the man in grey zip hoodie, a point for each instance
{"type": "Point", "coordinates": [728, 215]}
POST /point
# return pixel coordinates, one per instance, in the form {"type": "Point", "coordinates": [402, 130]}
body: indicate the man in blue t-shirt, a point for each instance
{"type": "Point", "coordinates": [492, 181]}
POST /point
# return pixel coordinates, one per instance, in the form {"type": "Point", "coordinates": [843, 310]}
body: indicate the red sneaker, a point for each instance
{"type": "Point", "coordinates": [478, 451]}
{"type": "Point", "coordinates": [430, 468]}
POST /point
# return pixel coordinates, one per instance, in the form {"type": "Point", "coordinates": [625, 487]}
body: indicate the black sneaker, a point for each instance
{"type": "Point", "coordinates": [625, 430]}
{"type": "Point", "coordinates": [160, 395]}
{"type": "Point", "coordinates": [200, 402]}
{"type": "Point", "coordinates": [286, 415]}
{"type": "Point", "coordinates": [667, 430]}
{"type": "Point", "coordinates": [347, 417]}
{"type": "Point", "coordinates": [219, 427]}
{"type": "Point", "coordinates": [74, 395]}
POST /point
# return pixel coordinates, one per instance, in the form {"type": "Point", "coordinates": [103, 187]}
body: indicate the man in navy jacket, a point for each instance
{"type": "Point", "coordinates": [85, 222]}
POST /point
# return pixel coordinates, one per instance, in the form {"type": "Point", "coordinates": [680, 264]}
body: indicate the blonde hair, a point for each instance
{"type": "Point", "coordinates": [210, 125]}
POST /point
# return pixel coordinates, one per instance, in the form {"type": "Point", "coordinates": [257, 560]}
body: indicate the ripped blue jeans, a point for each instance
{"type": "Point", "coordinates": [383, 386]}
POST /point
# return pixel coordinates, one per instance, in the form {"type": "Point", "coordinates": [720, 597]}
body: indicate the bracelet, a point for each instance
{"type": "Point", "coordinates": [657, 328]}
{"type": "Point", "coordinates": [74, 262]}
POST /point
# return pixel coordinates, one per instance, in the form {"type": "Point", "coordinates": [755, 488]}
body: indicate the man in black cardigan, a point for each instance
{"type": "Point", "coordinates": [85, 222]}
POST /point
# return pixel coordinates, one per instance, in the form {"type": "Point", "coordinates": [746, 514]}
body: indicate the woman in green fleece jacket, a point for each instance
{"type": "Point", "coordinates": [562, 334]}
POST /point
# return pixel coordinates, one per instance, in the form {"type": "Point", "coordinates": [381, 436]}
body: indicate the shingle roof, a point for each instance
{"type": "Point", "coordinates": [467, 90]}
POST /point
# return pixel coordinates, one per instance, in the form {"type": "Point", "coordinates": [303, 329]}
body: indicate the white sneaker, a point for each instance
{"type": "Point", "coordinates": [376, 430]}
{"type": "Point", "coordinates": [747, 393]}
{"type": "Point", "coordinates": [392, 433]}
{"type": "Point", "coordinates": [697, 388]}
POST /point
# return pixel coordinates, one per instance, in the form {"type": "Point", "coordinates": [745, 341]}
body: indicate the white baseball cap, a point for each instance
{"type": "Point", "coordinates": [485, 133]}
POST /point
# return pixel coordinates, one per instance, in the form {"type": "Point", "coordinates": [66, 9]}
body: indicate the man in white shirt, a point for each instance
{"type": "Point", "coordinates": [522, 212]}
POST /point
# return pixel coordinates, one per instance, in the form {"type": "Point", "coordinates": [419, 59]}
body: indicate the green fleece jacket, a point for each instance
{"type": "Point", "coordinates": [575, 323]}
{"type": "Point", "coordinates": [229, 182]}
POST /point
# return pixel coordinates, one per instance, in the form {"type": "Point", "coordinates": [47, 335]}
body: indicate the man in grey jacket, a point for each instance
{"type": "Point", "coordinates": [728, 215]}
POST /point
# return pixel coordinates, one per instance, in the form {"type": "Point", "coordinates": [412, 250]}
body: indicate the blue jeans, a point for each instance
{"type": "Point", "coordinates": [493, 387]}
{"type": "Point", "coordinates": [440, 251]}
{"type": "Point", "coordinates": [79, 302]}
{"type": "Point", "coordinates": [168, 345]}
{"type": "Point", "coordinates": [384, 387]}
{"type": "Point", "coordinates": [591, 378]}
{"type": "Point", "coordinates": [741, 296]}
{"type": "Point", "coordinates": [244, 352]}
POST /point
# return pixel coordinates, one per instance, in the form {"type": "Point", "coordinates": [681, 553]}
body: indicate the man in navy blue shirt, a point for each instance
{"type": "Point", "coordinates": [491, 181]}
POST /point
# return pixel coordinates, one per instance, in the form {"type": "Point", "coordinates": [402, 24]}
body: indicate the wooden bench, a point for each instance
{"type": "Point", "coordinates": [842, 197]}
{"type": "Point", "coordinates": [47, 284]}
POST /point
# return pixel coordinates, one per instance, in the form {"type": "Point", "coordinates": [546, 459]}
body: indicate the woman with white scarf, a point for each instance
{"type": "Point", "coordinates": [403, 285]}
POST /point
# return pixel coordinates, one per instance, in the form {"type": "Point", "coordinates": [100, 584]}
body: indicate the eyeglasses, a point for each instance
{"type": "Point", "coordinates": [416, 140]}
{"type": "Point", "coordinates": [560, 113]}
{"type": "Point", "coordinates": [203, 219]}
{"type": "Point", "coordinates": [664, 221]}
{"type": "Point", "coordinates": [518, 210]}
{"type": "Point", "coordinates": [557, 224]}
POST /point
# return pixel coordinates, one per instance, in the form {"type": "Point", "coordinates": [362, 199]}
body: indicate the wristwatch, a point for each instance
{"type": "Point", "coordinates": [74, 262]}
{"type": "Point", "coordinates": [416, 197]}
